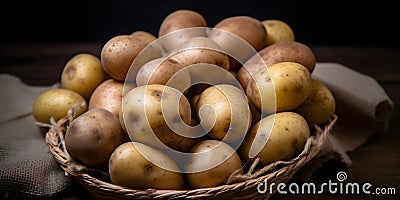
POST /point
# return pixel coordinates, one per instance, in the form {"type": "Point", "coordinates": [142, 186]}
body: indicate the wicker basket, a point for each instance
{"type": "Point", "coordinates": [242, 185]}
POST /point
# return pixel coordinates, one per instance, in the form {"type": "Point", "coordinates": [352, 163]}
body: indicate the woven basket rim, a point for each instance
{"type": "Point", "coordinates": [242, 189]}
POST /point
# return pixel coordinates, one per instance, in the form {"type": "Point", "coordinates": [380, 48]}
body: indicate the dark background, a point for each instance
{"type": "Point", "coordinates": [337, 23]}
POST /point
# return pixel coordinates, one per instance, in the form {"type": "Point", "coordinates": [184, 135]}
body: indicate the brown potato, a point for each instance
{"type": "Point", "coordinates": [180, 20]}
{"type": "Point", "coordinates": [107, 95]}
{"type": "Point", "coordinates": [145, 36]}
{"type": "Point", "coordinates": [249, 29]}
{"type": "Point", "coordinates": [282, 51]}
{"type": "Point", "coordinates": [92, 137]}
{"type": "Point", "coordinates": [118, 54]}
{"type": "Point", "coordinates": [200, 50]}
{"type": "Point", "coordinates": [164, 71]}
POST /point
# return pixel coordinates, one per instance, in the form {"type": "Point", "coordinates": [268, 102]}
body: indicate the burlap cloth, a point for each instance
{"type": "Point", "coordinates": [28, 170]}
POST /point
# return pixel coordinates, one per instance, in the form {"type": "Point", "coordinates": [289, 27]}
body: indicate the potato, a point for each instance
{"type": "Point", "coordinates": [145, 36]}
{"type": "Point", "coordinates": [277, 30]}
{"type": "Point", "coordinates": [118, 54]}
{"type": "Point", "coordinates": [160, 71]}
{"type": "Point", "coordinates": [224, 109]}
{"type": "Point", "coordinates": [319, 107]}
{"type": "Point", "coordinates": [82, 74]}
{"type": "Point", "coordinates": [282, 51]}
{"type": "Point", "coordinates": [230, 33]}
{"type": "Point", "coordinates": [92, 137]}
{"type": "Point", "coordinates": [55, 103]}
{"type": "Point", "coordinates": [279, 136]}
{"type": "Point", "coordinates": [280, 87]}
{"type": "Point", "coordinates": [107, 95]}
{"type": "Point", "coordinates": [289, 51]}
{"type": "Point", "coordinates": [193, 96]}
{"type": "Point", "coordinates": [151, 111]}
{"type": "Point", "coordinates": [121, 120]}
{"type": "Point", "coordinates": [179, 26]}
{"type": "Point", "coordinates": [200, 50]}
{"type": "Point", "coordinates": [152, 50]}
{"type": "Point", "coordinates": [211, 164]}
{"type": "Point", "coordinates": [136, 165]}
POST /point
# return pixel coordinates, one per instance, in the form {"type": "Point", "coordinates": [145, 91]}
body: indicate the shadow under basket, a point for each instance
{"type": "Point", "coordinates": [241, 185]}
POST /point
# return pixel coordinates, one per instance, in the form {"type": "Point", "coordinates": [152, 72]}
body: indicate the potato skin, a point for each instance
{"type": "Point", "coordinates": [277, 30]}
{"type": "Point", "coordinates": [287, 131]}
{"type": "Point", "coordinates": [282, 51]}
{"type": "Point", "coordinates": [164, 71]}
{"type": "Point", "coordinates": [118, 54]}
{"type": "Point", "coordinates": [145, 121]}
{"type": "Point", "coordinates": [93, 136]}
{"type": "Point", "coordinates": [179, 26]}
{"type": "Point", "coordinates": [319, 107]}
{"type": "Point", "coordinates": [240, 36]}
{"type": "Point", "coordinates": [248, 28]}
{"type": "Point", "coordinates": [211, 164]}
{"type": "Point", "coordinates": [181, 19]}
{"type": "Point", "coordinates": [136, 165]}
{"type": "Point", "coordinates": [280, 87]}
{"type": "Point", "coordinates": [107, 95]}
{"type": "Point", "coordinates": [233, 115]}
{"type": "Point", "coordinates": [55, 103]}
{"type": "Point", "coordinates": [200, 50]}
{"type": "Point", "coordinates": [82, 74]}
{"type": "Point", "coordinates": [144, 36]}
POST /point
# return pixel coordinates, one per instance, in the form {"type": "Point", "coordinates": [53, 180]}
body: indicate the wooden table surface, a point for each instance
{"type": "Point", "coordinates": [377, 161]}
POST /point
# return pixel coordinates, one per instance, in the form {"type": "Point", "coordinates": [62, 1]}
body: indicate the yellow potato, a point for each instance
{"type": "Point", "coordinates": [139, 166]}
{"type": "Point", "coordinates": [107, 95]}
{"type": "Point", "coordinates": [280, 136]}
{"type": "Point", "coordinates": [145, 109]}
{"type": "Point", "coordinates": [82, 74]}
{"type": "Point", "coordinates": [121, 120]}
{"type": "Point", "coordinates": [319, 107]}
{"type": "Point", "coordinates": [280, 87]}
{"type": "Point", "coordinates": [211, 163]}
{"type": "Point", "coordinates": [93, 136]}
{"type": "Point", "coordinates": [55, 103]}
{"type": "Point", "coordinates": [277, 30]}
{"type": "Point", "coordinates": [229, 107]}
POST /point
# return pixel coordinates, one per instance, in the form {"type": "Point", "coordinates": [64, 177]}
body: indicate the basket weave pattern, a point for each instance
{"type": "Point", "coordinates": [240, 185]}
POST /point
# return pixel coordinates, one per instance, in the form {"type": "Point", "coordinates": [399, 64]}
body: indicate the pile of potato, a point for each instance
{"type": "Point", "coordinates": [187, 108]}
